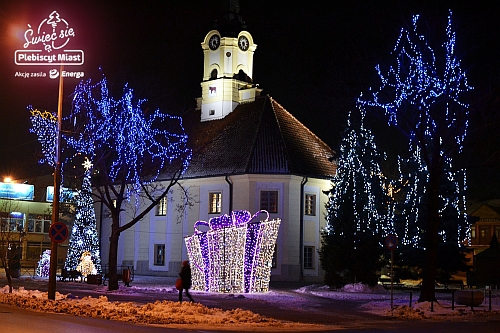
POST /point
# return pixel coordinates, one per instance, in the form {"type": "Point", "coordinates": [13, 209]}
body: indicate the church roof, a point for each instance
{"type": "Point", "coordinates": [260, 137]}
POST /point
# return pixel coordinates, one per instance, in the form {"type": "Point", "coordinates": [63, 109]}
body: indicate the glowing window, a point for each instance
{"type": "Point", "coordinates": [161, 208]}
{"type": "Point", "coordinates": [310, 205]}
{"type": "Point", "coordinates": [215, 200]}
{"type": "Point", "coordinates": [39, 223]}
{"type": "Point", "coordinates": [484, 232]}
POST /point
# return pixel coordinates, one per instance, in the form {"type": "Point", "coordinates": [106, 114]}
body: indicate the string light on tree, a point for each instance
{"type": "Point", "coordinates": [125, 146]}
{"type": "Point", "coordinates": [357, 213]}
{"type": "Point", "coordinates": [44, 126]}
{"type": "Point", "coordinates": [423, 95]}
{"type": "Point", "coordinates": [43, 266]}
{"type": "Point", "coordinates": [84, 237]}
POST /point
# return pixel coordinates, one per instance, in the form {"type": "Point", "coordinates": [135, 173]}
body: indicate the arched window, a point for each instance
{"type": "Point", "coordinates": [213, 75]}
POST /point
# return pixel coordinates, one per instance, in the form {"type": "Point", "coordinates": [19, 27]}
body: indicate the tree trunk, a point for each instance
{"type": "Point", "coordinates": [427, 293]}
{"type": "Point", "coordinates": [113, 260]}
{"type": "Point", "coordinates": [7, 273]}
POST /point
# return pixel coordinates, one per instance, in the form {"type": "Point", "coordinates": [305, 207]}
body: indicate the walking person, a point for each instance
{"type": "Point", "coordinates": [185, 275]}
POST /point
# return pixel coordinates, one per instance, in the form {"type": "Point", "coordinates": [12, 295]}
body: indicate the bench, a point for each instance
{"type": "Point", "coordinates": [71, 275]}
{"type": "Point", "coordinates": [386, 283]}
{"type": "Point", "coordinates": [454, 283]}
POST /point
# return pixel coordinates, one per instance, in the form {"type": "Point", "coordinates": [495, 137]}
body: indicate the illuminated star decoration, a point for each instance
{"type": "Point", "coordinates": [87, 165]}
{"type": "Point", "coordinates": [234, 255]}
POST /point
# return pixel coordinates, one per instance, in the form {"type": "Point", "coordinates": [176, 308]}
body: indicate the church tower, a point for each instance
{"type": "Point", "coordinates": [228, 66]}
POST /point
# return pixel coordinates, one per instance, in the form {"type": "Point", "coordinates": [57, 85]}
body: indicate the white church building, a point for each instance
{"type": "Point", "coordinates": [249, 153]}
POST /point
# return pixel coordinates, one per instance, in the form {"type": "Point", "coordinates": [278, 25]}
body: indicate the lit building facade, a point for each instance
{"type": "Point", "coordinates": [249, 153]}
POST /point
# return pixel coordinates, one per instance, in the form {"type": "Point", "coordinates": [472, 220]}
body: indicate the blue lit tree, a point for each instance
{"type": "Point", "coordinates": [84, 235]}
{"type": "Point", "coordinates": [129, 150]}
{"type": "Point", "coordinates": [357, 211]}
{"type": "Point", "coordinates": [422, 94]}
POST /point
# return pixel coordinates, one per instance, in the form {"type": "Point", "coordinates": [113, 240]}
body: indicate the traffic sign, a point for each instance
{"type": "Point", "coordinates": [391, 241]}
{"type": "Point", "coordinates": [58, 232]}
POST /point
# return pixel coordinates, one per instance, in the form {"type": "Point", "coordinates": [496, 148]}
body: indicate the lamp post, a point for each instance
{"type": "Point", "coordinates": [57, 186]}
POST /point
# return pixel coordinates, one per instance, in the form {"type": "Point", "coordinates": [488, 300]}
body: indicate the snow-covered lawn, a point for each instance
{"type": "Point", "coordinates": [378, 302]}
{"type": "Point", "coordinates": [372, 300]}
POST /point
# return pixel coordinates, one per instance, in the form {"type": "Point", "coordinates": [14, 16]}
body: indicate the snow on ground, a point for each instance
{"type": "Point", "coordinates": [373, 300]}
{"type": "Point", "coordinates": [378, 301]}
{"type": "Point", "coordinates": [158, 313]}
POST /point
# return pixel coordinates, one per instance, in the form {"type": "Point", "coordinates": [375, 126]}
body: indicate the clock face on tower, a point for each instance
{"type": "Point", "coordinates": [243, 43]}
{"type": "Point", "coordinates": [214, 42]}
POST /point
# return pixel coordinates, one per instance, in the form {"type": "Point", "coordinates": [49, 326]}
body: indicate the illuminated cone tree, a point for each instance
{"type": "Point", "coordinates": [357, 213]}
{"type": "Point", "coordinates": [84, 237]}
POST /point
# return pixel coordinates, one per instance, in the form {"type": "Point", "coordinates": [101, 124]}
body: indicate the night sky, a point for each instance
{"type": "Point", "coordinates": [313, 57]}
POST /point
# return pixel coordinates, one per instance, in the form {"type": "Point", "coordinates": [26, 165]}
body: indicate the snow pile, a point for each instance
{"type": "Point", "coordinates": [159, 312]}
{"type": "Point", "coordinates": [363, 288]}
{"type": "Point", "coordinates": [376, 300]}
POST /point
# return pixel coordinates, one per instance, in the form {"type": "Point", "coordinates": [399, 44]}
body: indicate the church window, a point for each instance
{"type": "Point", "coordinates": [308, 257]}
{"type": "Point", "coordinates": [213, 74]}
{"type": "Point", "coordinates": [159, 254]}
{"type": "Point", "coordinates": [161, 208]}
{"type": "Point", "coordinates": [310, 205]}
{"type": "Point", "coordinates": [215, 202]}
{"type": "Point", "coordinates": [269, 201]}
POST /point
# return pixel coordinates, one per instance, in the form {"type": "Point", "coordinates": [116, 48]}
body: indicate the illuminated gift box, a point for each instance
{"type": "Point", "coordinates": [234, 254]}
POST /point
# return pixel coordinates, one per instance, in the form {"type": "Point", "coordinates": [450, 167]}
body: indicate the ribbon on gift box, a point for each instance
{"type": "Point", "coordinates": [237, 219]}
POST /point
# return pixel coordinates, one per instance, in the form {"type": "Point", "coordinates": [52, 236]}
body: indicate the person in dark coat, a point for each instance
{"type": "Point", "coordinates": [185, 275]}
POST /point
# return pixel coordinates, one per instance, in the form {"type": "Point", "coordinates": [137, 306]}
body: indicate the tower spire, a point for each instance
{"type": "Point", "coordinates": [230, 23]}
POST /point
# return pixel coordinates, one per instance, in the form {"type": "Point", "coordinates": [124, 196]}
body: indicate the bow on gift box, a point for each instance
{"type": "Point", "coordinates": [237, 219]}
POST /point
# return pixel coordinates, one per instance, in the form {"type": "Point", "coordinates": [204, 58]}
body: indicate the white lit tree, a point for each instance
{"type": "Point", "coordinates": [410, 222]}
{"type": "Point", "coordinates": [422, 93]}
{"type": "Point", "coordinates": [43, 267]}
{"type": "Point", "coordinates": [357, 210]}
{"type": "Point", "coordinates": [84, 236]}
